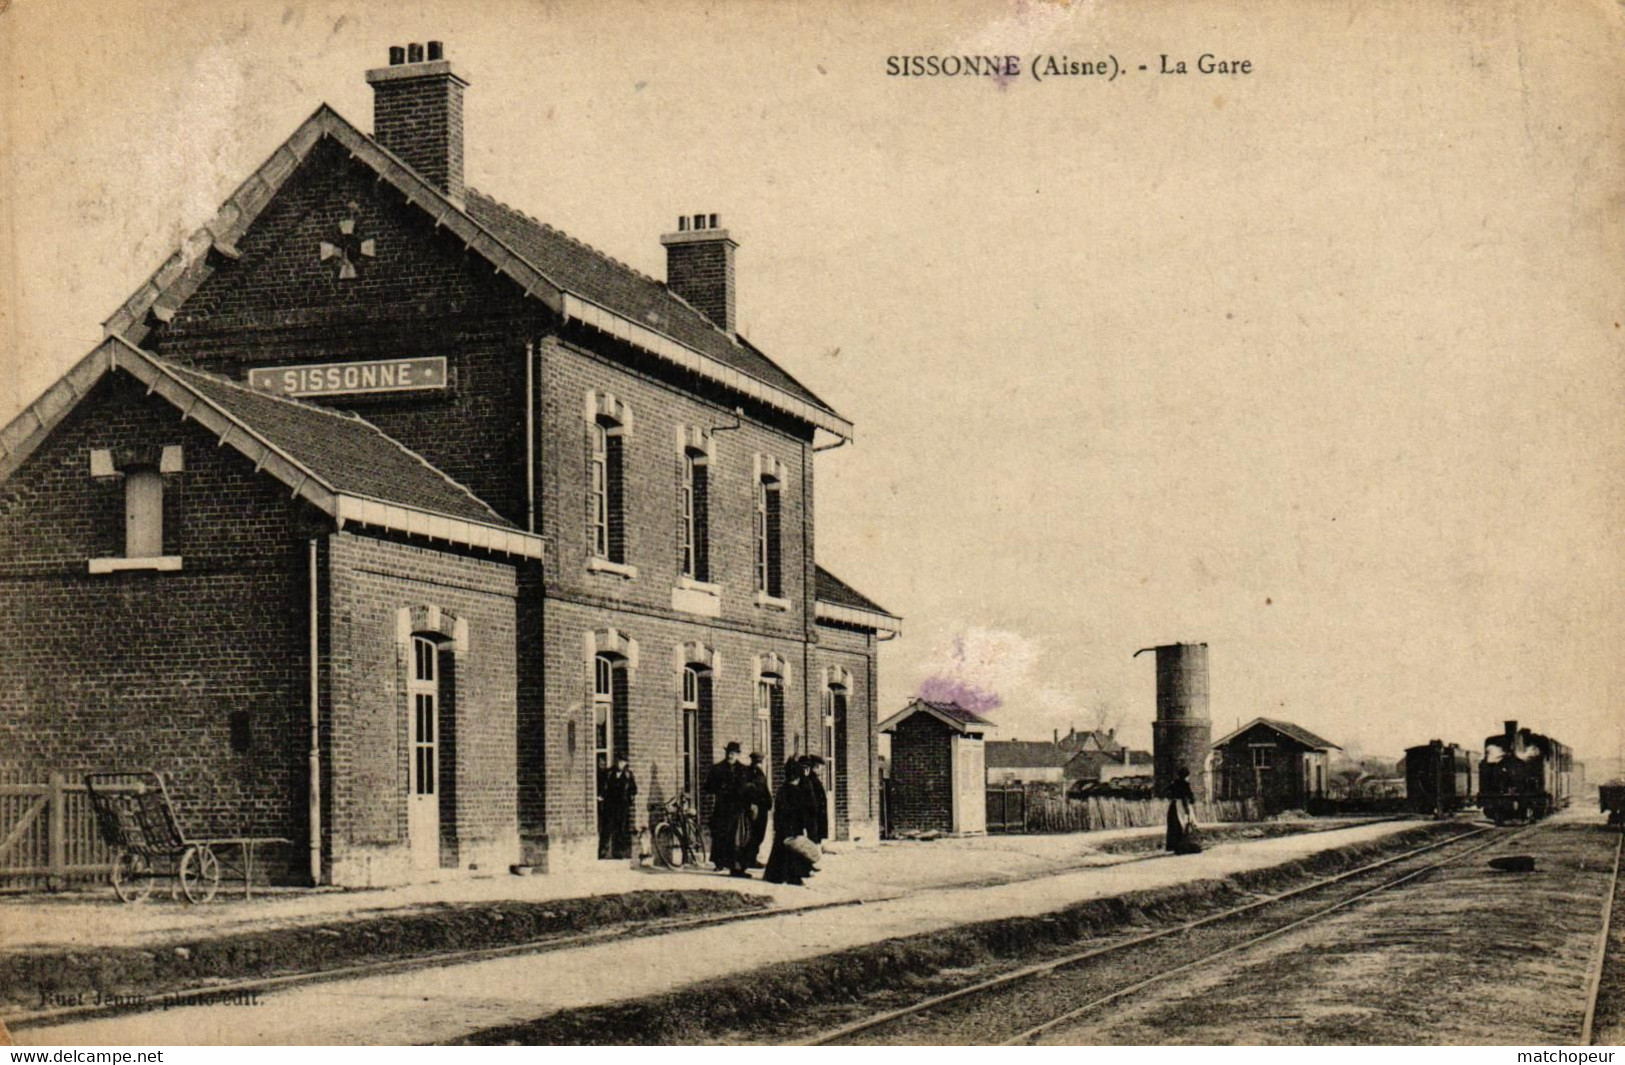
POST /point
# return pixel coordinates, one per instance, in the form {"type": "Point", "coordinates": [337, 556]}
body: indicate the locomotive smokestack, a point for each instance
{"type": "Point", "coordinates": [1512, 728]}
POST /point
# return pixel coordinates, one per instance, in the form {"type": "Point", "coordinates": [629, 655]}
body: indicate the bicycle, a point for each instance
{"type": "Point", "coordinates": [678, 841]}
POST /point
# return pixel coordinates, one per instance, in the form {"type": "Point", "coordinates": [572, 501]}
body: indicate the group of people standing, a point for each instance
{"type": "Point", "coordinates": [740, 816]}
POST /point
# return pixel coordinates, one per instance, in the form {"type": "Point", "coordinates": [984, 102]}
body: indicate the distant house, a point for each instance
{"type": "Point", "coordinates": [1128, 763]}
{"type": "Point", "coordinates": [1282, 764]}
{"type": "Point", "coordinates": [1026, 762]}
{"type": "Point", "coordinates": [1103, 741]}
{"type": "Point", "coordinates": [938, 772]}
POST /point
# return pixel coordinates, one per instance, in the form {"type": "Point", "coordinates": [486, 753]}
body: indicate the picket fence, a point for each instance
{"type": "Point", "coordinates": [1047, 813]}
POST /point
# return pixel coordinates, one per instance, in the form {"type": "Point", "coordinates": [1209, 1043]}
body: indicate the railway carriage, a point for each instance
{"type": "Point", "coordinates": [1440, 777]}
{"type": "Point", "coordinates": [1611, 797]}
{"type": "Point", "coordinates": [1524, 775]}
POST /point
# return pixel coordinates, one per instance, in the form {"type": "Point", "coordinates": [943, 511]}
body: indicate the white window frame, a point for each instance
{"type": "Point", "coordinates": [762, 736]}
{"type": "Point", "coordinates": [423, 691]}
{"type": "Point", "coordinates": [603, 710]}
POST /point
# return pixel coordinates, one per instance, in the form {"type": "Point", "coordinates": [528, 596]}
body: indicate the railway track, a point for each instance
{"type": "Point", "coordinates": [1599, 957]}
{"type": "Point", "coordinates": [1099, 987]}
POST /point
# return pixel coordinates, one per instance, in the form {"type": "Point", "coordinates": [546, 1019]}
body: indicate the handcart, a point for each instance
{"type": "Point", "coordinates": [137, 821]}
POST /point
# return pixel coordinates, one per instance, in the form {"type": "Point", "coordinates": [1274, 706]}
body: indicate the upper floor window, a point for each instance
{"type": "Point", "coordinates": [143, 508]}
{"type": "Point", "coordinates": [769, 549]}
{"type": "Point", "coordinates": [608, 491]}
{"type": "Point", "coordinates": [694, 498]}
{"type": "Point", "coordinates": [143, 512]}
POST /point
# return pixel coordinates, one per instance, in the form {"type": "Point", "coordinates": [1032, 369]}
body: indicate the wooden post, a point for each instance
{"type": "Point", "coordinates": [56, 833]}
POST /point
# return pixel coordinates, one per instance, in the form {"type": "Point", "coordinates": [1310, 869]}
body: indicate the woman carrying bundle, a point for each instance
{"type": "Point", "coordinates": [793, 815]}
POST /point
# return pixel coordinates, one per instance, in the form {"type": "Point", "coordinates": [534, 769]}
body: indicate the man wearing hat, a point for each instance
{"type": "Point", "coordinates": [759, 796]}
{"type": "Point", "coordinates": [730, 812]}
{"type": "Point", "coordinates": [818, 831]}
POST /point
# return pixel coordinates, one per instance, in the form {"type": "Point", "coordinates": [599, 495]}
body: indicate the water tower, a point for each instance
{"type": "Point", "coordinates": [1183, 732]}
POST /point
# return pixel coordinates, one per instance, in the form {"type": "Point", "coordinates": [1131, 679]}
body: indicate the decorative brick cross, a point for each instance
{"type": "Point", "coordinates": [348, 250]}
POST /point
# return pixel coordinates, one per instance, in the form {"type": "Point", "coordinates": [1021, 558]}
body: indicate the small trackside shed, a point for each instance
{"type": "Point", "coordinates": [1281, 764]}
{"type": "Point", "coordinates": [939, 769]}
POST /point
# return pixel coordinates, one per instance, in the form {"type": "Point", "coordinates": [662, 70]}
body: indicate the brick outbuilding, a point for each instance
{"type": "Point", "coordinates": [938, 768]}
{"type": "Point", "coordinates": [386, 513]}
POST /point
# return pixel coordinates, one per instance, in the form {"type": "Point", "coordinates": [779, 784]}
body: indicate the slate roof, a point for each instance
{"type": "Point", "coordinates": [1024, 754]}
{"type": "Point", "coordinates": [952, 714]}
{"type": "Point", "coordinates": [337, 462]}
{"type": "Point", "coordinates": [588, 272]}
{"type": "Point", "coordinates": [1296, 733]}
{"type": "Point", "coordinates": [570, 277]}
{"type": "Point", "coordinates": [350, 454]}
{"type": "Point", "coordinates": [955, 711]}
{"type": "Point", "coordinates": [831, 589]}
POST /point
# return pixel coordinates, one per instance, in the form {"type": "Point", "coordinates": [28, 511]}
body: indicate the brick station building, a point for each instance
{"type": "Point", "coordinates": [385, 513]}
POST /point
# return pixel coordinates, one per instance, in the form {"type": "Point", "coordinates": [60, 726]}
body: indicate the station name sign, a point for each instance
{"type": "Point", "coordinates": [351, 378]}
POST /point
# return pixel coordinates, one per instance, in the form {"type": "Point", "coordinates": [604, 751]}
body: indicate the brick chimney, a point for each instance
{"type": "Point", "coordinates": [700, 267]}
{"type": "Point", "coordinates": [417, 113]}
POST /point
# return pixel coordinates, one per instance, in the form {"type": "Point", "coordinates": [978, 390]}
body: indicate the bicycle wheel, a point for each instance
{"type": "Point", "coordinates": [694, 845]}
{"type": "Point", "coordinates": [200, 874]}
{"type": "Point", "coordinates": [132, 876]}
{"type": "Point", "coordinates": [668, 851]}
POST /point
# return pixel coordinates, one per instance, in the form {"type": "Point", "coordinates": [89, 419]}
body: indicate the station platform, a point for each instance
{"type": "Point", "coordinates": [859, 897]}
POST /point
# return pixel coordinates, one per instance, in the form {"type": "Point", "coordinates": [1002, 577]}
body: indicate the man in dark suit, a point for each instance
{"type": "Point", "coordinates": [759, 796]}
{"type": "Point", "coordinates": [616, 789]}
{"type": "Point", "coordinates": [730, 813]}
{"type": "Point", "coordinates": [818, 831]}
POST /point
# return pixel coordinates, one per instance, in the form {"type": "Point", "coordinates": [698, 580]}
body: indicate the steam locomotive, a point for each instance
{"type": "Point", "coordinates": [1524, 775]}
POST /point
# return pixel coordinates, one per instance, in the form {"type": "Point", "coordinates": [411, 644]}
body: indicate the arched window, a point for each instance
{"type": "Point", "coordinates": [766, 736]}
{"type": "Point", "coordinates": [834, 714]}
{"type": "Point", "coordinates": [608, 683]}
{"type": "Point", "coordinates": [695, 701]}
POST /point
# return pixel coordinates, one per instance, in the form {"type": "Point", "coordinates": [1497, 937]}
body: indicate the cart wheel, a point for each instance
{"type": "Point", "coordinates": [132, 876]}
{"type": "Point", "coordinates": [200, 874]}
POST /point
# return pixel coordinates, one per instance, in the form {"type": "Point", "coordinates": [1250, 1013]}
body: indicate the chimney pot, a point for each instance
{"type": "Point", "coordinates": [418, 114]}
{"type": "Point", "coordinates": [700, 267]}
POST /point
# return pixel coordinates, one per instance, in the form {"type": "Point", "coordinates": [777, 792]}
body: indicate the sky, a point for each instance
{"type": "Point", "coordinates": [1319, 364]}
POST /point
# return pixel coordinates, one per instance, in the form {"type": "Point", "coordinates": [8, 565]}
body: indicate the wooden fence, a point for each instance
{"type": "Point", "coordinates": [48, 834]}
{"type": "Point", "coordinates": [1046, 813]}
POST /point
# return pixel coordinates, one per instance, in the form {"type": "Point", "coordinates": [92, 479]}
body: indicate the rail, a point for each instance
{"type": "Point", "coordinates": [1599, 956]}
{"type": "Point", "coordinates": [1032, 972]}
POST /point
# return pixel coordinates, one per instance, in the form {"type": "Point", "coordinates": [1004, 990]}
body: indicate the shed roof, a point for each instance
{"type": "Point", "coordinates": [1297, 733]}
{"type": "Point", "coordinates": [840, 602]}
{"type": "Point", "coordinates": [953, 715]}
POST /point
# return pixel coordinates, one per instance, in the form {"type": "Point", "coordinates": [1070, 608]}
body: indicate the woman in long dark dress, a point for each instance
{"type": "Point", "coordinates": [792, 816]}
{"type": "Point", "coordinates": [1181, 815]}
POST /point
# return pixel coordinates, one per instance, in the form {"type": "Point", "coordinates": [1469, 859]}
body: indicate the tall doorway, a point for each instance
{"type": "Point", "coordinates": [423, 787]}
